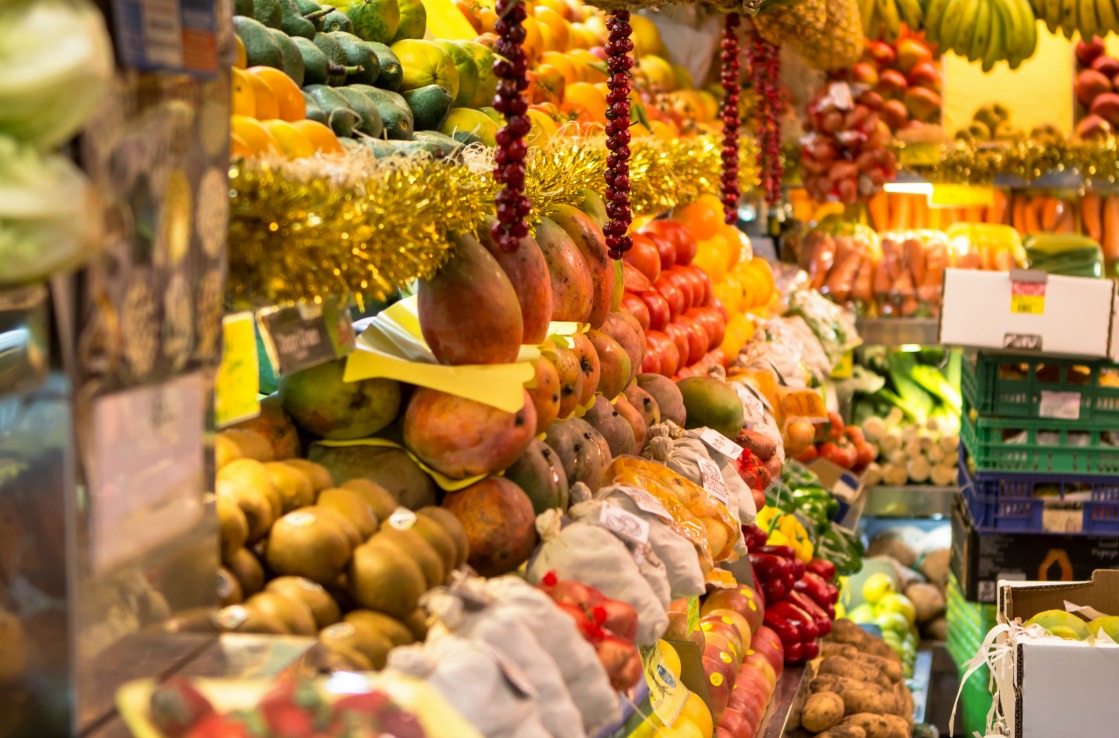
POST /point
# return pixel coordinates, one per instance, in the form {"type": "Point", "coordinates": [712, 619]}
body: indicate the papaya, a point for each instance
{"type": "Point", "coordinates": [670, 402]}
{"type": "Point", "coordinates": [711, 403]}
{"type": "Point", "coordinates": [615, 368]}
{"type": "Point", "coordinates": [591, 243]}
{"type": "Point", "coordinates": [500, 524]}
{"type": "Point", "coordinates": [320, 402]}
{"type": "Point", "coordinates": [469, 313]}
{"type": "Point", "coordinates": [461, 438]}
{"type": "Point", "coordinates": [545, 393]}
{"type": "Point", "coordinates": [612, 425]}
{"type": "Point", "coordinates": [528, 272]}
{"type": "Point", "coordinates": [636, 421]}
{"type": "Point", "coordinates": [589, 365]}
{"type": "Point", "coordinates": [625, 329]}
{"type": "Point", "coordinates": [572, 289]}
{"type": "Point", "coordinates": [540, 474]}
{"type": "Point", "coordinates": [430, 105]}
{"type": "Point", "coordinates": [582, 451]}
{"type": "Point", "coordinates": [373, 20]}
{"type": "Point", "coordinates": [570, 375]}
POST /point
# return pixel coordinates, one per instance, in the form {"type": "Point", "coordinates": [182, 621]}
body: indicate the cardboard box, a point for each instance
{"type": "Point", "coordinates": [980, 560]}
{"type": "Point", "coordinates": [1053, 688]}
{"type": "Point", "coordinates": [1028, 312]}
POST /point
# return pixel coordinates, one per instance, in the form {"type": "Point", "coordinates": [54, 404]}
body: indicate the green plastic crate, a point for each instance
{"type": "Point", "coordinates": [968, 624]}
{"type": "Point", "coordinates": [975, 703]}
{"type": "Point", "coordinates": [1047, 446]}
{"type": "Point", "coordinates": [1015, 386]}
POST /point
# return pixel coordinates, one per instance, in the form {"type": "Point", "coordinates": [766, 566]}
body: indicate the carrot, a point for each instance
{"type": "Point", "coordinates": [997, 212]}
{"type": "Point", "coordinates": [1111, 228]}
{"type": "Point", "coordinates": [892, 258]}
{"type": "Point", "coordinates": [936, 261]}
{"type": "Point", "coordinates": [919, 215]}
{"type": "Point", "coordinates": [863, 289]}
{"type": "Point", "coordinates": [974, 214]}
{"type": "Point", "coordinates": [914, 256]}
{"type": "Point", "coordinates": [901, 213]}
{"type": "Point", "coordinates": [1066, 218]}
{"type": "Point", "coordinates": [1091, 206]}
{"type": "Point", "coordinates": [1018, 207]}
{"type": "Point", "coordinates": [822, 261]}
{"type": "Point", "coordinates": [879, 207]}
{"type": "Point", "coordinates": [842, 276]}
{"type": "Point", "coordinates": [1033, 215]}
{"type": "Point", "coordinates": [1051, 212]}
{"type": "Point", "coordinates": [903, 286]}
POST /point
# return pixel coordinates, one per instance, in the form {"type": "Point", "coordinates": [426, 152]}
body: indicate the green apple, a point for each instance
{"type": "Point", "coordinates": [899, 603]}
{"type": "Point", "coordinates": [876, 587]}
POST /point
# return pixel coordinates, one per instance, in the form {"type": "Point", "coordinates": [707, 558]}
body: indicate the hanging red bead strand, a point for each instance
{"type": "Point", "coordinates": [512, 73]}
{"type": "Point", "coordinates": [765, 70]}
{"type": "Point", "coordinates": [730, 117]}
{"type": "Point", "coordinates": [618, 63]}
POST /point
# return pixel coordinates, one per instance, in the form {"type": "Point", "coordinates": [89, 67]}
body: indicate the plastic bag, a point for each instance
{"type": "Point", "coordinates": [910, 276]}
{"type": "Point", "coordinates": [505, 630]}
{"type": "Point", "coordinates": [832, 325]}
{"type": "Point", "coordinates": [472, 679]}
{"type": "Point", "coordinates": [576, 658]}
{"type": "Point", "coordinates": [595, 557]}
{"type": "Point", "coordinates": [438, 718]}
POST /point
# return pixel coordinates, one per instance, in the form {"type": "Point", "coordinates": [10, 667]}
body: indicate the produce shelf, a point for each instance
{"type": "Point", "coordinates": [910, 501]}
{"type": "Point", "coordinates": [788, 698]}
{"type": "Point", "coordinates": [894, 332]}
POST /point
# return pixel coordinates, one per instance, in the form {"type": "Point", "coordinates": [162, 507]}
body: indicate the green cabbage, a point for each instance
{"type": "Point", "coordinates": [56, 60]}
{"type": "Point", "coordinates": [47, 216]}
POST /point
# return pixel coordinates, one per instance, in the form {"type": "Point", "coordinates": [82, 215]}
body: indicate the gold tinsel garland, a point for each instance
{"type": "Point", "coordinates": [1027, 160]}
{"type": "Point", "coordinates": [306, 229]}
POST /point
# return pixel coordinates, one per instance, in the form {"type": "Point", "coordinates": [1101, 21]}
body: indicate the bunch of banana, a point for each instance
{"type": "Point", "coordinates": [882, 19]}
{"type": "Point", "coordinates": [1088, 17]}
{"type": "Point", "coordinates": [987, 31]}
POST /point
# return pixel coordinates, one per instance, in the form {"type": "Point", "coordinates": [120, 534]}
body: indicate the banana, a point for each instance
{"type": "Point", "coordinates": [1069, 12]}
{"type": "Point", "coordinates": [996, 49]}
{"type": "Point", "coordinates": [982, 31]}
{"type": "Point", "coordinates": [1052, 15]}
{"type": "Point", "coordinates": [866, 13]}
{"type": "Point", "coordinates": [954, 15]}
{"type": "Point", "coordinates": [888, 9]}
{"type": "Point", "coordinates": [1086, 21]}
{"type": "Point", "coordinates": [933, 13]}
{"type": "Point", "coordinates": [1106, 16]}
{"type": "Point", "coordinates": [911, 13]}
{"type": "Point", "coordinates": [1016, 30]}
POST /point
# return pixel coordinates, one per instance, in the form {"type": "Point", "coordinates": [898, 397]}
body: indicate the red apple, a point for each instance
{"type": "Point", "coordinates": [1107, 66]}
{"type": "Point", "coordinates": [634, 305]}
{"type": "Point", "coordinates": [735, 723]}
{"type": "Point", "coordinates": [679, 336]}
{"type": "Point", "coordinates": [644, 256]}
{"type": "Point", "coordinates": [717, 687]}
{"type": "Point", "coordinates": [743, 600]}
{"type": "Point", "coordinates": [697, 338]}
{"type": "Point", "coordinates": [659, 310]}
{"type": "Point", "coordinates": [767, 643]}
{"type": "Point", "coordinates": [891, 84]}
{"type": "Point", "coordinates": [758, 662]}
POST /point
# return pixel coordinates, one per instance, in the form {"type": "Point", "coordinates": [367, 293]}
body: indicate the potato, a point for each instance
{"type": "Point", "coordinates": [845, 631]}
{"type": "Point", "coordinates": [859, 696]}
{"type": "Point", "coordinates": [863, 671]}
{"type": "Point", "coordinates": [878, 726]}
{"type": "Point", "coordinates": [821, 711]}
{"type": "Point", "coordinates": [927, 601]}
{"type": "Point", "coordinates": [827, 648]}
{"type": "Point", "coordinates": [843, 731]}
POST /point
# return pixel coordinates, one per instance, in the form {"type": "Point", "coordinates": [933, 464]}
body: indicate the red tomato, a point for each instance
{"type": "Point", "coordinates": [809, 455]}
{"type": "Point", "coordinates": [679, 335]}
{"type": "Point", "coordinates": [842, 454]}
{"type": "Point", "coordinates": [671, 292]}
{"type": "Point", "coordinates": [682, 240]}
{"type": "Point", "coordinates": [865, 454]}
{"type": "Point", "coordinates": [659, 311]}
{"type": "Point", "coordinates": [697, 338]}
{"type": "Point", "coordinates": [704, 279]}
{"type": "Point", "coordinates": [634, 306]}
{"type": "Point", "coordinates": [651, 364]}
{"type": "Point", "coordinates": [712, 324]}
{"type": "Point", "coordinates": [666, 248]}
{"type": "Point", "coordinates": [666, 349]}
{"type": "Point", "coordinates": [683, 281]}
{"type": "Point", "coordinates": [635, 279]}
{"type": "Point", "coordinates": [644, 256]}
{"type": "Point", "coordinates": [855, 434]}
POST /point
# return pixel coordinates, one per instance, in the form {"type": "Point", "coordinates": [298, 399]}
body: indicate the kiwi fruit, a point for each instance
{"type": "Point", "coordinates": [364, 639]}
{"type": "Point", "coordinates": [439, 539]}
{"type": "Point", "coordinates": [233, 527]}
{"type": "Point", "coordinates": [255, 507]}
{"type": "Point", "coordinates": [353, 506]}
{"type": "Point", "coordinates": [312, 594]}
{"type": "Point", "coordinates": [417, 623]}
{"type": "Point", "coordinates": [396, 631]}
{"type": "Point", "coordinates": [454, 528]}
{"type": "Point", "coordinates": [241, 619]}
{"type": "Point", "coordinates": [292, 484]}
{"type": "Point", "coordinates": [291, 612]}
{"type": "Point", "coordinates": [348, 527]}
{"type": "Point", "coordinates": [417, 549]}
{"type": "Point", "coordinates": [309, 544]}
{"type": "Point", "coordinates": [247, 570]}
{"type": "Point", "coordinates": [248, 474]}
{"type": "Point", "coordinates": [377, 497]}
{"type": "Point", "coordinates": [248, 444]}
{"type": "Point", "coordinates": [340, 657]}
{"type": "Point", "coordinates": [317, 473]}
{"type": "Point", "coordinates": [384, 578]}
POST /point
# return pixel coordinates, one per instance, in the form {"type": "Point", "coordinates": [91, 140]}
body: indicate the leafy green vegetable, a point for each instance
{"type": "Point", "coordinates": [914, 400]}
{"type": "Point", "coordinates": [936, 384]}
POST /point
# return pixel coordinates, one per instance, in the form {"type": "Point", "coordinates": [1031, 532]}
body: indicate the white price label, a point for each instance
{"type": "Point", "coordinates": [648, 503]}
{"type": "Point", "coordinates": [721, 443]}
{"type": "Point", "coordinates": [1060, 405]}
{"type": "Point", "coordinates": [402, 519]}
{"type": "Point", "coordinates": [625, 524]}
{"type": "Point", "coordinates": [713, 480]}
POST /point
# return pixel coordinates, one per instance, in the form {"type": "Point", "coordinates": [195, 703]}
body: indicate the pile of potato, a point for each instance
{"type": "Point", "coordinates": [857, 690]}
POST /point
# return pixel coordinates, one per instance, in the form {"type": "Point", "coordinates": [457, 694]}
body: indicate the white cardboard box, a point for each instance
{"type": "Point", "coordinates": [1051, 688]}
{"type": "Point", "coordinates": [1028, 312]}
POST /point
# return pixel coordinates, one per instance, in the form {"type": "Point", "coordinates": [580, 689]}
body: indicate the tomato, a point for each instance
{"type": "Point", "coordinates": [718, 305]}
{"type": "Point", "coordinates": [667, 351]}
{"type": "Point", "coordinates": [683, 282]}
{"type": "Point", "coordinates": [810, 454]}
{"type": "Point", "coordinates": [635, 279]}
{"type": "Point", "coordinates": [633, 305]}
{"type": "Point", "coordinates": [659, 311]}
{"type": "Point", "coordinates": [679, 335]}
{"type": "Point", "coordinates": [865, 454]}
{"type": "Point", "coordinates": [671, 292]}
{"type": "Point", "coordinates": [712, 323]}
{"type": "Point", "coordinates": [697, 338]}
{"type": "Point", "coordinates": [651, 364]}
{"type": "Point", "coordinates": [644, 256]}
{"type": "Point", "coordinates": [854, 434]}
{"type": "Point", "coordinates": [799, 433]}
{"type": "Point", "coordinates": [682, 240]}
{"type": "Point", "coordinates": [703, 279]}
{"type": "Point", "coordinates": [665, 247]}
{"type": "Point", "coordinates": [842, 454]}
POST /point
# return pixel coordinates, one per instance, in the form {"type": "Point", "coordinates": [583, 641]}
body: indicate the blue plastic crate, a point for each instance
{"type": "Point", "coordinates": [1016, 503]}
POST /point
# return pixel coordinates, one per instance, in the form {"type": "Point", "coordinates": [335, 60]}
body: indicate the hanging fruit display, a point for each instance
{"type": "Point", "coordinates": [765, 72]}
{"type": "Point", "coordinates": [618, 63]}
{"type": "Point", "coordinates": [512, 204]}
{"type": "Point", "coordinates": [729, 115]}
{"type": "Point", "coordinates": [1001, 30]}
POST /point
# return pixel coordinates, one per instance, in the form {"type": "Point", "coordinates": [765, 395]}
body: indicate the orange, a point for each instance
{"type": "Point", "coordinates": [321, 137]}
{"type": "Point", "coordinates": [534, 40]}
{"type": "Point", "coordinates": [703, 216]}
{"type": "Point", "coordinates": [710, 104]}
{"type": "Point", "coordinates": [588, 97]}
{"type": "Point", "coordinates": [564, 63]}
{"type": "Point", "coordinates": [238, 147]}
{"type": "Point", "coordinates": [547, 84]}
{"type": "Point", "coordinates": [244, 101]}
{"type": "Point", "coordinates": [555, 23]}
{"type": "Point", "coordinates": [663, 131]}
{"type": "Point", "coordinates": [267, 106]}
{"type": "Point", "coordinates": [638, 130]}
{"type": "Point", "coordinates": [740, 247]}
{"type": "Point", "coordinates": [242, 60]}
{"type": "Point", "coordinates": [558, 6]}
{"type": "Point", "coordinates": [646, 37]}
{"type": "Point", "coordinates": [713, 257]}
{"type": "Point", "coordinates": [543, 127]}
{"type": "Point", "coordinates": [292, 141]}
{"type": "Point", "coordinates": [293, 106]}
{"type": "Point", "coordinates": [254, 135]}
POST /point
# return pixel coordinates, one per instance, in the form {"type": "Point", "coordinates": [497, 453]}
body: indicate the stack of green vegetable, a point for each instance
{"type": "Point", "coordinates": [799, 492]}
{"type": "Point", "coordinates": [46, 93]}
{"type": "Point", "coordinates": [1067, 254]}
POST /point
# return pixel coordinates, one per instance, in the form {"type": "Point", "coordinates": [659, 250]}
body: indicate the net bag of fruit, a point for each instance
{"type": "Point", "coordinates": [557, 633]}
{"type": "Point", "coordinates": [467, 614]}
{"type": "Point", "coordinates": [595, 557]}
{"type": "Point", "coordinates": [474, 680]}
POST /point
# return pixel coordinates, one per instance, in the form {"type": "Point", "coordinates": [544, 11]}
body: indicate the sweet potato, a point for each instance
{"type": "Point", "coordinates": [822, 711]}
{"type": "Point", "coordinates": [859, 696]}
{"type": "Point", "coordinates": [843, 731]}
{"type": "Point", "coordinates": [878, 726]}
{"type": "Point", "coordinates": [845, 631]}
{"type": "Point", "coordinates": [863, 671]}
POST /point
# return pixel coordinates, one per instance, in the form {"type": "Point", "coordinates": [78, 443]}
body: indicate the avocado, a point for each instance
{"type": "Point", "coordinates": [430, 105]}
{"type": "Point", "coordinates": [307, 6]}
{"type": "Point", "coordinates": [261, 48]}
{"type": "Point", "coordinates": [339, 115]}
{"type": "Point", "coordinates": [358, 55]}
{"type": "Point", "coordinates": [440, 145]}
{"type": "Point", "coordinates": [371, 124]}
{"type": "Point", "coordinates": [395, 113]}
{"type": "Point", "coordinates": [314, 112]}
{"type": "Point", "coordinates": [316, 67]}
{"type": "Point", "coordinates": [336, 20]}
{"type": "Point", "coordinates": [336, 74]}
{"type": "Point", "coordinates": [389, 149]}
{"type": "Point", "coordinates": [268, 12]}
{"type": "Point", "coordinates": [293, 60]}
{"type": "Point", "coordinates": [243, 7]}
{"type": "Point", "coordinates": [392, 74]}
{"type": "Point", "coordinates": [292, 21]}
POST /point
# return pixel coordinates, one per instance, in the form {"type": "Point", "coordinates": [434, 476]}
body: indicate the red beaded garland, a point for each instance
{"type": "Point", "coordinates": [728, 113]}
{"type": "Point", "coordinates": [512, 204]}
{"type": "Point", "coordinates": [765, 70]}
{"type": "Point", "coordinates": [618, 62]}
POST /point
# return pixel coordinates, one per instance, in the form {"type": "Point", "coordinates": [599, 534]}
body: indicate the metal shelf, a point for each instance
{"type": "Point", "coordinates": [786, 703]}
{"type": "Point", "coordinates": [913, 501]}
{"type": "Point", "coordinates": [895, 332]}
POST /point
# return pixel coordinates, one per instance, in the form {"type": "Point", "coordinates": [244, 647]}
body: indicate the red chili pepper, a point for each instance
{"type": "Point", "coordinates": [794, 653]}
{"type": "Point", "coordinates": [819, 617]}
{"type": "Point", "coordinates": [822, 568]}
{"type": "Point", "coordinates": [785, 629]}
{"type": "Point", "coordinates": [815, 587]}
{"type": "Point", "coordinates": [798, 569]}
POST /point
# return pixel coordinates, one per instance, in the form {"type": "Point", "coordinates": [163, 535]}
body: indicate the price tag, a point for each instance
{"type": "Point", "coordinates": [146, 480]}
{"type": "Point", "coordinates": [1027, 298]}
{"type": "Point", "coordinates": [648, 503]}
{"type": "Point", "coordinates": [1060, 405]}
{"type": "Point", "coordinates": [624, 523]}
{"type": "Point", "coordinates": [236, 388]}
{"type": "Point", "coordinates": [721, 443]}
{"type": "Point", "coordinates": [667, 694]}
{"type": "Point", "coordinates": [713, 481]}
{"type": "Point", "coordinates": [305, 335]}
{"type": "Point", "coordinates": [804, 404]}
{"type": "Point", "coordinates": [402, 519]}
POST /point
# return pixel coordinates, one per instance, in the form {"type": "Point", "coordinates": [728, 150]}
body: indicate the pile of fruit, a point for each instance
{"type": "Point", "coordinates": [907, 77]}
{"type": "Point", "coordinates": [894, 613]}
{"type": "Point", "coordinates": [842, 444]}
{"type": "Point", "coordinates": [1095, 89]}
{"type": "Point", "coordinates": [1070, 626]}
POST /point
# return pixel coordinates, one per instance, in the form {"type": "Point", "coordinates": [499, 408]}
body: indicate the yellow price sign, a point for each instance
{"type": "Point", "coordinates": [237, 386]}
{"type": "Point", "coordinates": [1027, 298]}
{"type": "Point", "coordinates": [667, 694]}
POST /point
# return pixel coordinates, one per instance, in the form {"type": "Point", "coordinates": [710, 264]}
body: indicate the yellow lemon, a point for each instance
{"type": "Point", "coordinates": [292, 141]}
{"type": "Point", "coordinates": [320, 136]}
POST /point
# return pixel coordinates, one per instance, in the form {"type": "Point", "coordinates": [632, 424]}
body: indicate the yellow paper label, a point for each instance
{"type": "Point", "coordinates": [237, 385]}
{"type": "Point", "coordinates": [845, 366]}
{"type": "Point", "coordinates": [667, 694]}
{"type": "Point", "coordinates": [1027, 297]}
{"type": "Point", "coordinates": [803, 404]}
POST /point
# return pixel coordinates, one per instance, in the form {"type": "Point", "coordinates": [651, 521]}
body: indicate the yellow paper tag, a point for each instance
{"type": "Point", "coordinates": [1027, 297]}
{"type": "Point", "coordinates": [667, 694]}
{"type": "Point", "coordinates": [237, 386]}
{"type": "Point", "coordinates": [845, 366]}
{"type": "Point", "coordinates": [445, 483]}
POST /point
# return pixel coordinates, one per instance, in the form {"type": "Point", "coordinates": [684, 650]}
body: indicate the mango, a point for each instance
{"type": "Point", "coordinates": [616, 369]}
{"type": "Point", "coordinates": [644, 403]}
{"type": "Point", "coordinates": [1062, 624]}
{"type": "Point", "coordinates": [670, 402]}
{"type": "Point", "coordinates": [625, 329]}
{"type": "Point", "coordinates": [527, 270]}
{"type": "Point", "coordinates": [390, 468]}
{"type": "Point", "coordinates": [570, 375]}
{"type": "Point", "coordinates": [540, 474]}
{"type": "Point", "coordinates": [276, 427]}
{"type": "Point", "coordinates": [591, 243]}
{"type": "Point", "coordinates": [469, 313]}
{"type": "Point", "coordinates": [588, 364]}
{"type": "Point", "coordinates": [582, 451]}
{"type": "Point", "coordinates": [1108, 624]}
{"type": "Point", "coordinates": [545, 393]}
{"type": "Point", "coordinates": [636, 421]}
{"type": "Point", "coordinates": [711, 403]}
{"type": "Point", "coordinates": [500, 524]}
{"type": "Point", "coordinates": [320, 402]}
{"type": "Point", "coordinates": [614, 428]}
{"type": "Point", "coordinates": [460, 437]}
{"type": "Point", "coordinates": [572, 289]}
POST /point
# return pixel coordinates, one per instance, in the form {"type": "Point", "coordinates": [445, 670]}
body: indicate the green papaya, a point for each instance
{"type": "Point", "coordinates": [392, 73]}
{"type": "Point", "coordinates": [316, 67]}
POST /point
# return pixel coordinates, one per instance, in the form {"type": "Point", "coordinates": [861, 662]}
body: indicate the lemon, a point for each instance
{"type": "Point", "coordinates": [292, 141]}
{"type": "Point", "coordinates": [876, 587]}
